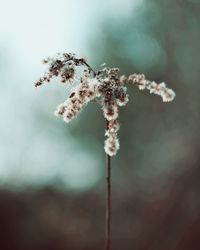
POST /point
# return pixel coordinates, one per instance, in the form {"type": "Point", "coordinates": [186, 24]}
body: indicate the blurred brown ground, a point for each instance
{"type": "Point", "coordinates": [48, 219]}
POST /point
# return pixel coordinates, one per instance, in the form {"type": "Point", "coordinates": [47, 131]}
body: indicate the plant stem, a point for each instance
{"type": "Point", "coordinates": [108, 201]}
{"type": "Point", "coordinates": [90, 68]}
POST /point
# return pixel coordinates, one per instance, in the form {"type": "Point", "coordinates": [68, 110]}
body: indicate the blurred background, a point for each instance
{"type": "Point", "coordinates": [52, 175]}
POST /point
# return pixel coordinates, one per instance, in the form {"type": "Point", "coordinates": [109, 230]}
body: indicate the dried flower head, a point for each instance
{"type": "Point", "coordinates": [106, 85]}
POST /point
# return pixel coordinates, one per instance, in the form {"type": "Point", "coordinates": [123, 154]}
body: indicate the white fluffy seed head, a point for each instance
{"type": "Point", "coordinates": [111, 145]}
{"type": "Point", "coordinates": [168, 95]}
{"type": "Point", "coordinates": [106, 85]}
{"type": "Point", "coordinates": [123, 79]}
{"type": "Point", "coordinates": [122, 102]}
{"type": "Point", "coordinates": [110, 112]}
{"type": "Point", "coordinates": [60, 109]}
{"type": "Point", "coordinates": [154, 88]}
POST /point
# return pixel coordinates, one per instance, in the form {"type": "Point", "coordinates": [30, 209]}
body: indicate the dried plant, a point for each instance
{"type": "Point", "coordinates": [109, 89]}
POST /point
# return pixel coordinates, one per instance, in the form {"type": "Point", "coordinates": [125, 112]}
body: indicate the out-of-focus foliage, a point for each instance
{"type": "Point", "coordinates": [160, 39]}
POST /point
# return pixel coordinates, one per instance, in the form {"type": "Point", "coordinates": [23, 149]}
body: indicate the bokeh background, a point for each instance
{"type": "Point", "coordinates": [52, 175]}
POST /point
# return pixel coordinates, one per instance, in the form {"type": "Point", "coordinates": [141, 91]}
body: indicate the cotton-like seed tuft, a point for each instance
{"type": "Point", "coordinates": [105, 86]}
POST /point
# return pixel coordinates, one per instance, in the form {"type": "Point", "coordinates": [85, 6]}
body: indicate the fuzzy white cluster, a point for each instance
{"type": "Point", "coordinates": [112, 142]}
{"type": "Point", "coordinates": [155, 88]}
{"type": "Point", "coordinates": [78, 98]}
{"type": "Point", "coordinates": [105, 85]}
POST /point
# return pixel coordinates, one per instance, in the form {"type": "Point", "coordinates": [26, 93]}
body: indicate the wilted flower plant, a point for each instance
{"type": "Point", "coordinates": [109, 89]}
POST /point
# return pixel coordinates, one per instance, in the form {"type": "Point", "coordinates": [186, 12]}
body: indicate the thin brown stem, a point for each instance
{"type": "Point", "coordinates": [90, 68]}
{"type": "Point", "coordinates": [108, 201]}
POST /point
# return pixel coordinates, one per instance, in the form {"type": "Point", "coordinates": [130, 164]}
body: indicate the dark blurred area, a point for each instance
{"type": "Point", "coordinates": [156, 174]}
{"type": "Point", "coordinates": [50, 219]}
